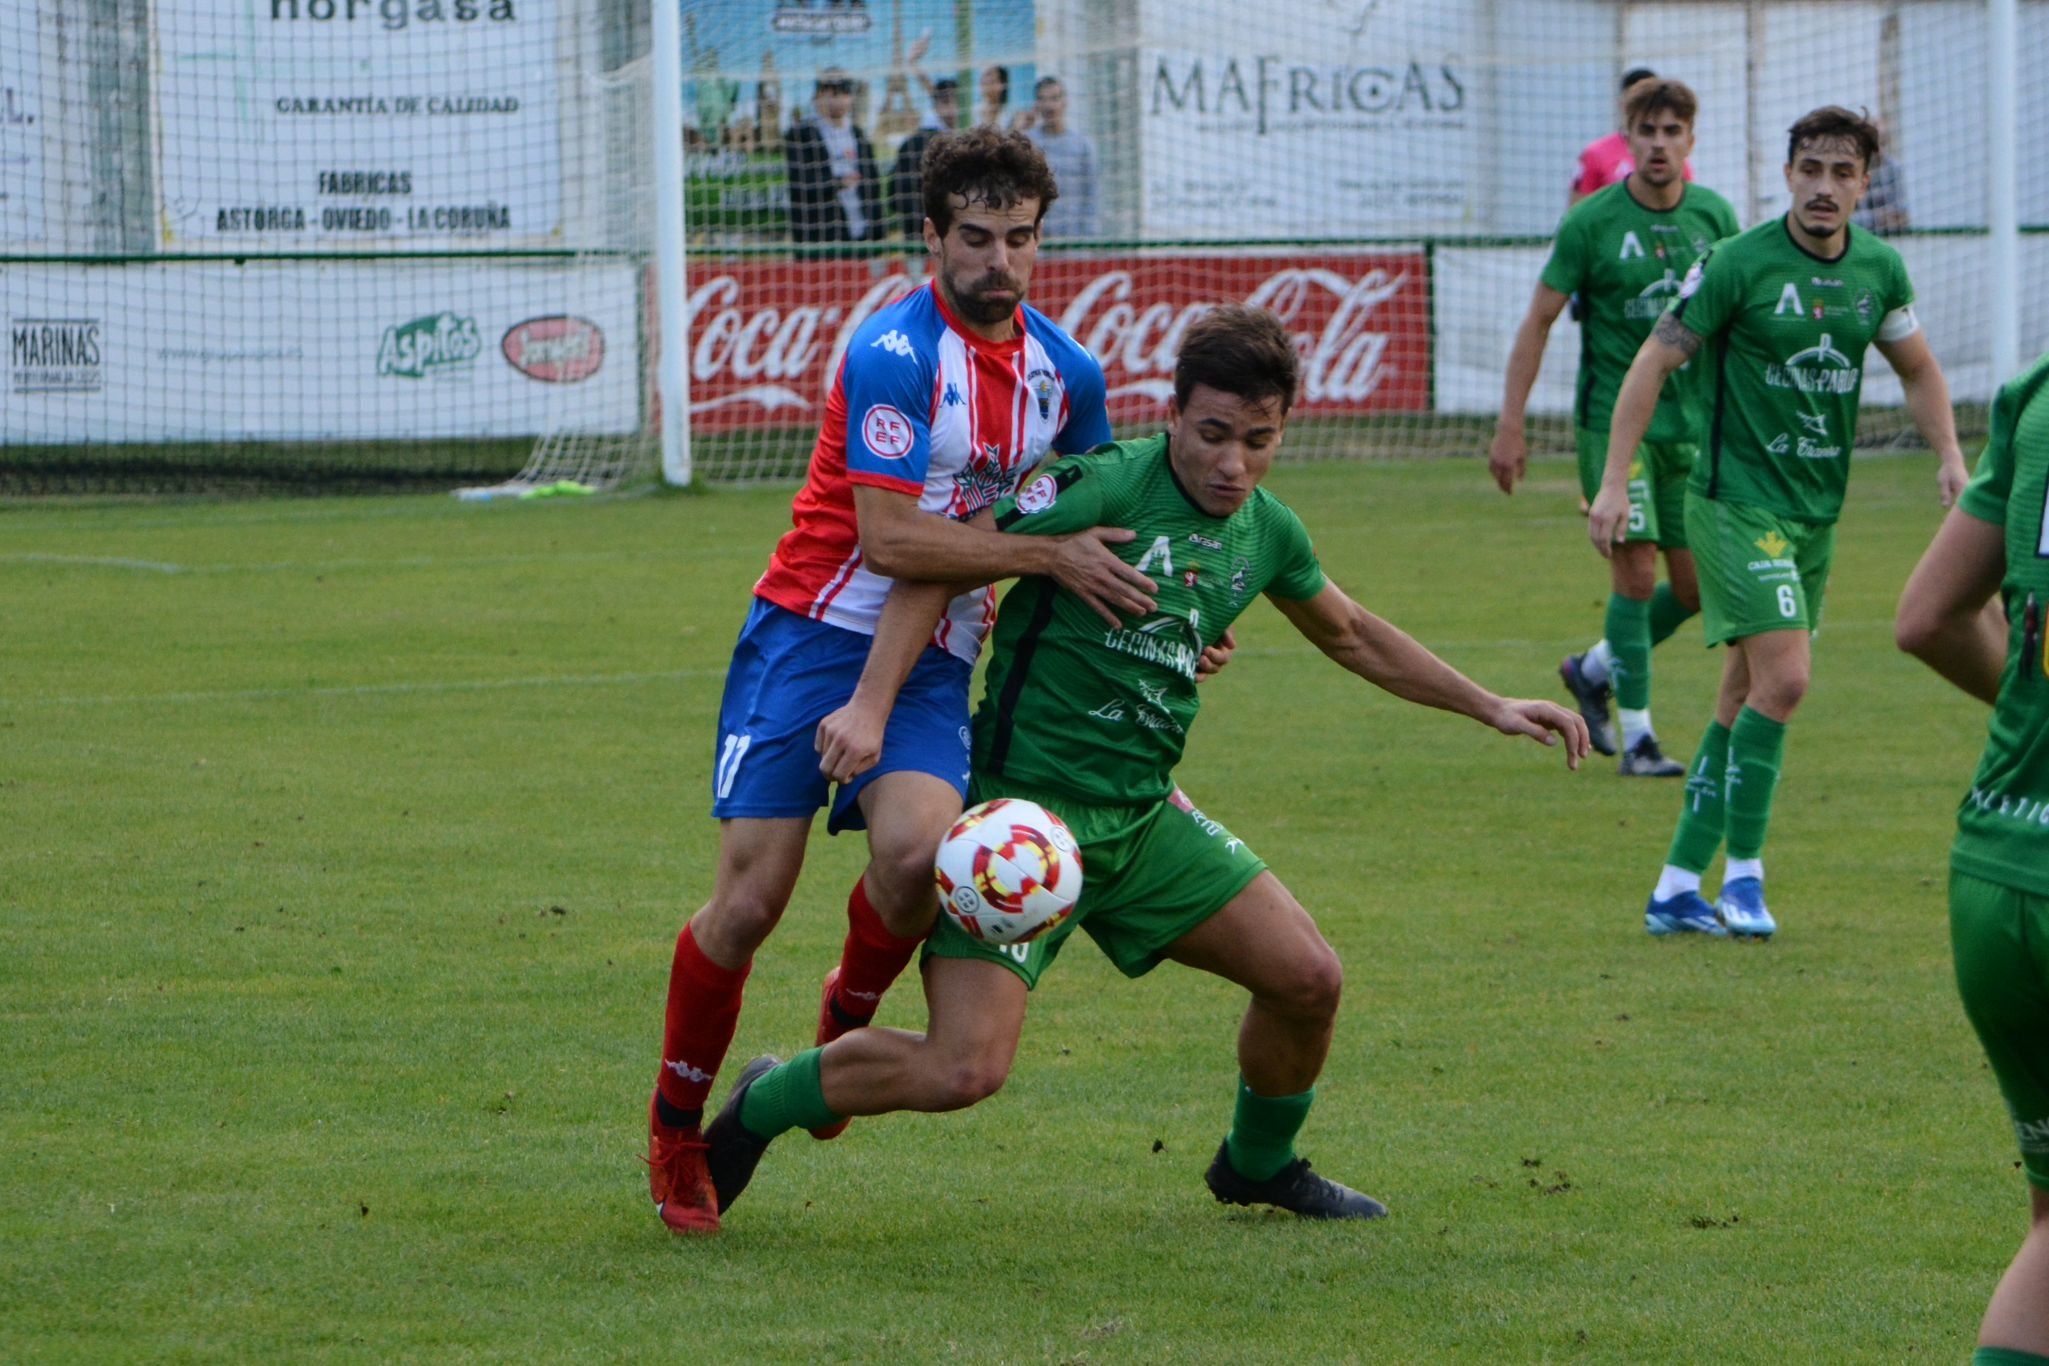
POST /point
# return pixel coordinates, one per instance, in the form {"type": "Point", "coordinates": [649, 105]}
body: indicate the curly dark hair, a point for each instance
{"type": "Point", "coordinates": [1832, 123]}
{"type": "Point", "coordinates": [985, 166]}
{"type": "Point", "coordinates": [1241, 351]}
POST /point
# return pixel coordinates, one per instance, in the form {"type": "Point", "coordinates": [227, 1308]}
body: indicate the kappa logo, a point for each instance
{"type": "Point", "coordinates": [953, 398]}
{"type": "Point", "coordinates": [684, 1070]}
{"type": "Point", "coordinates": [1772, 544]}
{"type": "Point", "coordinates": [896, 343]}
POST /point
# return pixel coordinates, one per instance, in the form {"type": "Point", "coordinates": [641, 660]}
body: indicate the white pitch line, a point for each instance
{"type": "Point", "coordinates": [99, 561]}
{"type": "Point", "coordinates": [364, 689]}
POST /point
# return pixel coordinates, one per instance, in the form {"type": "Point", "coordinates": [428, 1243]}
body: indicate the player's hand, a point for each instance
{"type": "Point", "coordinates": [1950, 478]}
{"type": "Point", "coordinates": [1608, 520]}
{"type": "Point", "coordinates": [849, 742]}
{"type": "Point", "coordinates": [1085, 566]}
{"type": "Point", "coordinates": [1215, 657]}
{"type": "Point", "coordinates": [1544, 722]}
{"type": "Point", "coordinates": [1507, 458]}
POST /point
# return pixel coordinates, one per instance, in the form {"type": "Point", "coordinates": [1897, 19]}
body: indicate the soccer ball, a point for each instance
{"type": "Point", "coordinates": [1008, 871]}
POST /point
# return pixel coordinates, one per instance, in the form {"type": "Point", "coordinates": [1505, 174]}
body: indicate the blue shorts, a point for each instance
{"type": "Point", "coordinates": [788, 673]}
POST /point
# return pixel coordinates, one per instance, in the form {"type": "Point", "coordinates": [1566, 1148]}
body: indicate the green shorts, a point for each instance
{"type": "Point", "coordinates": [1657, 485]}
{"type": "Point", "coordinates": [1759, 571]}
{"type": "Point", "coordinates": [2000, 936]}
{"type": "Point", "coordinates": [1149, 874]}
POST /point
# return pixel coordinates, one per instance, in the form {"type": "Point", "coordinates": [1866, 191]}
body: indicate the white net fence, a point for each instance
{"type": "Point", "coordinates": [338, 243]}
{"type": "Point", "coordinates": [1385, 173]}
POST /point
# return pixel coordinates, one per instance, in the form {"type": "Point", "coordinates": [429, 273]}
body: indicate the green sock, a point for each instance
{"type": "Point", "coordinates": [1701, 815]}
{"type": "Point", "coordinates": [1628, 628]}
{"type": "Point", "coordinates": [2006, 1356]}
{"type": "Point", "coordinates": [788, 1097]}
{"type": "Point", "coordinates": [1668, 614]}
{"type": "Point", "coordinates": [1757, 745]}
{"type": "Point", "coordinates": [1263, 1129]}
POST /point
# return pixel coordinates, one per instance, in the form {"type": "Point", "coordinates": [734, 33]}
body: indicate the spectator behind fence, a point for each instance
{"type": "Point", "coordinates": [906, 185]}
{"type": "Point", "coordinates": [1884, 207]}
{"type": "Point", "coordinates": [1072, 157]}
{"type": "Point", "coordinates": [835, 191]}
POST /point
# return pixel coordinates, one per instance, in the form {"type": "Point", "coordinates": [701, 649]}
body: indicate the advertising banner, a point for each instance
{"type": "Point", "coordinates": [21, 125]}
{"type": "Point", "coordinates": [291, 351]}
{"type": "Point", "coordinates": [354, 124]}
{"type": "Point", "coordinates": [767, 337]}
{"type": "Point", "coordinates": [1310, 121]}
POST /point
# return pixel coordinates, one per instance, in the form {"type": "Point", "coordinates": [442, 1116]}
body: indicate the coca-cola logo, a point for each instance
{"type": "Point", "coordinates": [767, 340]}
{"type": "Point", "coordinates": [559, 349]}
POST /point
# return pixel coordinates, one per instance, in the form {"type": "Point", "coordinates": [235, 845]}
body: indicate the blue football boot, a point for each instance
{"type": "Point", "coordinates": [1686, 913]}
{"type": "Point", "coordinates": [1742, 906]}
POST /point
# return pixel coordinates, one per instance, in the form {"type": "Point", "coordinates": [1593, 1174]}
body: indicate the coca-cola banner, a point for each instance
{"type": "Point", "coordinates": [766, 337]}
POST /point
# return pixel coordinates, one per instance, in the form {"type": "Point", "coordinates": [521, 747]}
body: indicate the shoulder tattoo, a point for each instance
{"type": "Point", "coordinates": [1674, 333]}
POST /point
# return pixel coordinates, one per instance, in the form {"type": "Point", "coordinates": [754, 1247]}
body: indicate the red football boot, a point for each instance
{"type": "Point", "coordinates": [678, 1179]}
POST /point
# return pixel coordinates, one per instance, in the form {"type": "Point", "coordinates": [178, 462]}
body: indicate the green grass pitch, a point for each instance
{"type": "Point", "coordinates": [345, 843]}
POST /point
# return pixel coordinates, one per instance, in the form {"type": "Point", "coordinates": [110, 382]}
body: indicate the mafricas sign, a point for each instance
{"type": "Point", "coordinates": [766, 338]}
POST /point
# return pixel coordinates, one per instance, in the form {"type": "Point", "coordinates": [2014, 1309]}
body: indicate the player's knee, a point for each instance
{"type": "Point", "coordinates": [1779, 695]}
{"type": "Point", "coordinates": [906, 898]}
{"type": "Point", "coordinates": [969, 1081]}
{"type": "Point", "coordinates": [1315, 984]}
{"type": "Point", "coordinates": [1687, 592]}
{"type": "Point", "coordinates": [740, 916]}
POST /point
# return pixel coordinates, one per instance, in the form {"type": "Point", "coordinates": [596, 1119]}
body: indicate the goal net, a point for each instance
{"type": "Point", "coordinates": [324, 244]}
{"type": "Point", "coordinates": [1385, 174]}
{"type": "Point", "coordinates": [412, 243]}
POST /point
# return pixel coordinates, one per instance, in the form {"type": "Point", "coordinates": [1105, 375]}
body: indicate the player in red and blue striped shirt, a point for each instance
{"type": "Point", "coordinates": [944, 401]}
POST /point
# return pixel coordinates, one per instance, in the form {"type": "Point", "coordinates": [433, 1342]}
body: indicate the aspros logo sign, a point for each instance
{"type": "Point", "coordinates": [560, 349]}
{"type": "Point", "coordinates": [438, 344]}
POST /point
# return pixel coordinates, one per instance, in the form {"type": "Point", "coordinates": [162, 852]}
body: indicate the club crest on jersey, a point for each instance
{"type": "Point", "coordinates": [886, 432]}
{"type": "Point", "coordinates": [1238, 577]}
{"type": "Point", "coordinates": [1038, 495]}
{"type": "Point", "coordinates": [1866, 307]}
{"type": "Point", "coordinates": [1189, 575]}
{"type": "Point", "coordinates": [1041, 383]}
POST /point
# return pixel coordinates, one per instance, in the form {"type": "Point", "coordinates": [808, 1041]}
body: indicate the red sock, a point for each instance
{"type": "Point", "coordinates": [870, 960]}
{"type": "Point", "coordinates": [697, 1028]}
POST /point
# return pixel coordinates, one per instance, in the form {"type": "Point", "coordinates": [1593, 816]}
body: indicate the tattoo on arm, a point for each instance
{"type": "Point", "coordinates": [1674, 333]}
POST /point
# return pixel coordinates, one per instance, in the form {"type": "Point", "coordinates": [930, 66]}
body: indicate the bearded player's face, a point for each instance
{"type": "Point", "coordinates": [986, 259]}
{"type": "Point", "coordinates": [1222, 445]}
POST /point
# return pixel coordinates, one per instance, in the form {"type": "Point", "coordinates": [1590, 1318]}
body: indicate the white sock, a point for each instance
{"type": "Point", "coordinates": [1635, 725]}
{"type": "Point", "coordinates": [1593, 665]}
{"type": "Point", "coordinates": [1675, 880]}
{"type": "Point", "coordinates": [1743, 867]}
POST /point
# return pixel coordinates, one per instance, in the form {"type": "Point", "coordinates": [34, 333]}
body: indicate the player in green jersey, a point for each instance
{"type": "Point", "coordinates": [1997, 540]}
{"type": "Point", "coordinates": [1090, 722]}
{"type": "Point", "coordinates": [1623, 250]}
{"type": "Point", "coordinates": [1782, 316]}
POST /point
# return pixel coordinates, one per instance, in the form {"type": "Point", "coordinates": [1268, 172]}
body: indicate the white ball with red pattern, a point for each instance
{"type": "Point", "coordinates": [1008, 871]}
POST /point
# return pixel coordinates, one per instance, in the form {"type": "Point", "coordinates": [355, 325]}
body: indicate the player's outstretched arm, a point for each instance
{"type": "Point", "coordinates": [1509, 455]}
{"type": "Point", "coordinates": [903, 541]}
{"type": "Point", "coordinates": [1927, 391]}
{"type": "Point", "coordinates": [849, 740]}
{"type": "Point", "coordinates": [1389, 658]}
{"type": "Point", "coordinates": [1948, 618]}
{"type": "Point", "coordinates": [1670, 345]}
